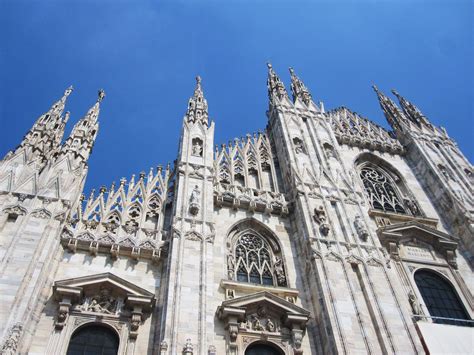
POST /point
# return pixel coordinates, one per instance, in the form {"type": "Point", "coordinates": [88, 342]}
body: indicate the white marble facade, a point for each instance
{"type": "Point", "coordinates": [306, 237]}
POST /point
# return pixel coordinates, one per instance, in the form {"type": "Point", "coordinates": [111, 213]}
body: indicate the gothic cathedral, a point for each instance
{"type": "Point", "coordinates": [322, 234]}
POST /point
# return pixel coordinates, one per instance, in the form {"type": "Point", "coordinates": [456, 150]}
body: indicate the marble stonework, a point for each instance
{"type": "Point", "coordinates": [327, 214]}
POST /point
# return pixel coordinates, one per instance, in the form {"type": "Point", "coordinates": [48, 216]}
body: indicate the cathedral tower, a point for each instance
{"type": "Point", "coordinates": [40, 182]}
{"type": "Point", "coordinates": [438, 163]}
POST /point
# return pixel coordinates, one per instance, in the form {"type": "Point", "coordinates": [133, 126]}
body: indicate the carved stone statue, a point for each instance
{"type": "Point", "coordinates": [194, 201]}
{"type": "Point", "coordinates": [280, 274]}
{"type": "Point", "coordinates": [230, 266]}
{"type": "Point", "coordinates": [412, 207]}
{"type": "Point", "coordinates": [360, 228]}
{"type": "Point", "coordinates": [320, 218]}
{"type": "Point", "coordinates": [256, 324]}
{"type": "Point", "coordinates": [197, 148]}
{"type": "Point", "coordinates": [270, 325]}
{"type": "Point", "coordinates": [415, 306]}
{"type": "Point", "coordinates": [195, 195]}
{"type": "Point", "coordinates": [298, 146]}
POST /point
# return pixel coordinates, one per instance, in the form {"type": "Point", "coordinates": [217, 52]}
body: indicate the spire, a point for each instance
{"type": "Point", "coordinates": [197, 106]}
{"type": "Point", "coordinates": [47, 132]}
{"type": "Point", "coordinates": [391, 111]}
{"type": "Point", "coordinates": [274, 85]}
{"type": "Point", "coordinates": [82, 137]}
{"type": "Point", "coordinates": [298, 89]}
{"type": "Point", "coordinates": [411, 111]}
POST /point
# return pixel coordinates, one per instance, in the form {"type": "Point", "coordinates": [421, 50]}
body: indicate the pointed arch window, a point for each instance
{"type": "Point", "coordinates": [254, 262]}
{"type": "Point", "coordinates": [440, 298]}
{"type": "Point", "coordinates": [381, 190]}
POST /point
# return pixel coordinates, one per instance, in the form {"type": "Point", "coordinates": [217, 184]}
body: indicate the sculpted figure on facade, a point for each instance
{"type": "Point", "coordinates": [361, 228]}
{"type": "Point", "coordinates": [415, 305]}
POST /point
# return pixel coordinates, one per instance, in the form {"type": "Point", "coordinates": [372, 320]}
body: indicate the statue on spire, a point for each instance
{"type": "Point", "coordinates": [197, 106]}
{"type": "Point", "coordinates": [298, 89]}
{"type": "Point", "coordinates": [411, 111]}
{"type": "Point", "coordinates": [100, 95]}
{"type": "Point", "coordinates": [274, 84]}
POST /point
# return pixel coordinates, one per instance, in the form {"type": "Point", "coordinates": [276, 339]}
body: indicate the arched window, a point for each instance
{"type": "Point", "coordinates": [93, 340]}
{"type": "Point", "coordinates": [440, 297]}
{"type": "Point", "coordinates": [381, 190]}
{"type": "Point", "coordinates": [254, 262]}
{"type": "Point", "coordinates": [262, 349]}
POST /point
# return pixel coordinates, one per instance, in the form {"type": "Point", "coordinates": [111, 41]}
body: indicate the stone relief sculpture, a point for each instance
{"type": "Point", "coordinates": [101, 303]}
{"type": "Point", "coordinates": [361, 228]}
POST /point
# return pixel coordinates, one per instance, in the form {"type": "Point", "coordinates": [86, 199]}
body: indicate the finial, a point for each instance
{"type": "Point", "coordinates": [123, 181]}
{"type": "Point", "coordinates": [269, 65]}
{"type": "Point", "coordinates": [100, 95]}
{"type": "Point", "coordinates": [68, 91]}
{"type": "Point", "coordinates": [103, 189]}
{"type": "Point", "coordinates": [142, 175]}
{"type": "Point", "coordinates": [292, 71]}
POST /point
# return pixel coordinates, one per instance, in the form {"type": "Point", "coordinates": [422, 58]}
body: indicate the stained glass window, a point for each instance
{"type": "Point", "coordinates": [253, 261]}
{"type": "Point", "coordinates": [381, 191]}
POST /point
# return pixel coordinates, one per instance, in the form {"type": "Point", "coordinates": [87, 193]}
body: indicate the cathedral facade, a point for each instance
{"type": "Point", "coordinates": [322, 234]}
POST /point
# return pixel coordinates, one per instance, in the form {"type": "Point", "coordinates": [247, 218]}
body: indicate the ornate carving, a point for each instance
{"type": "Point", "coordinates": [279, 272]}
{"type": "Point", "coordinates": [10, 344]}
{"type": "Point", "coordinates": [415, 305]}
{"type": "Point", "coordinates": [299, 147]}
{"type": "Point", "coordinates": [361, 228]}
{"type": "Point", "coordinates": [188, 347]}
{"type": "Point", "coordinates": [197, 147]}
{"type": "Point", "coordinates": [320, 218]}
{"type": "Point", "coordinates": [195, 201]}
{"type": "Point", "coordinates": [101, 303]}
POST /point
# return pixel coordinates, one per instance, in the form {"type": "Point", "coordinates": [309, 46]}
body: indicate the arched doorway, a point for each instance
{"type": "Point", "coordinates": [263, 349]}
{"type": "Point", "coordinates": [93, 340]}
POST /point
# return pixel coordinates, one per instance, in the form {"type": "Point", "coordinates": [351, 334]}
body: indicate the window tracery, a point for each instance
{"type": "Point", "coordinates": [381, 190]}
{"type": "Point", "coordinates": [254, 262]}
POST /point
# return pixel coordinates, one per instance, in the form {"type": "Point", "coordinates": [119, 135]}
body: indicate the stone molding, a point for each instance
{"type": "Point", "coordinates": [263, 316]}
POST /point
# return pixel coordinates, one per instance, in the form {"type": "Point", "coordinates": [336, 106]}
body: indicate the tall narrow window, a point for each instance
{"type": "Point", "coordinates": [253, 261]}
{"type": "Point", "coordinates": [440, 298]}
{"type": "Point", "coordinates": [381, 190]}
{"type": "Point", "coordinates": [94, 340]}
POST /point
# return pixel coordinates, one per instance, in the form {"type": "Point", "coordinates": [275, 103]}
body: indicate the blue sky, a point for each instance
{"type": "Point", "coordinates": [145, 54]}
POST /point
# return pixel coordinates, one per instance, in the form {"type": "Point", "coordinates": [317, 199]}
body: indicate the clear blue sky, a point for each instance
{"type": "Point", "coordinates": [145, 54]}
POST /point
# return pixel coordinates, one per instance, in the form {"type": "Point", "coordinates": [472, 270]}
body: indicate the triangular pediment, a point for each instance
{"type": "Point", "coordinates": [106, 279]}
{"type": "Point", "coordinates": [413, 230]}
{"type": "Point", "coordinates": [417, 230]}
{"type": "Point", "coordinates": [267, 299]}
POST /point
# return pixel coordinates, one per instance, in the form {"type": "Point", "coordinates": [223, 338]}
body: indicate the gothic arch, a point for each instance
{"type": "Point", "coordinates": [386, 189]}
{"type": "Point", "coordinates": [254, 255]}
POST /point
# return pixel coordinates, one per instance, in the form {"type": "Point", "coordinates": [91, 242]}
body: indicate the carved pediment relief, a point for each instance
{"type": "Point", "coordinates": [418, 241]}
{"type": "Point", "coordinates": [264, 315]}
{"type": "Point", "coordinates": [102, 295]}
